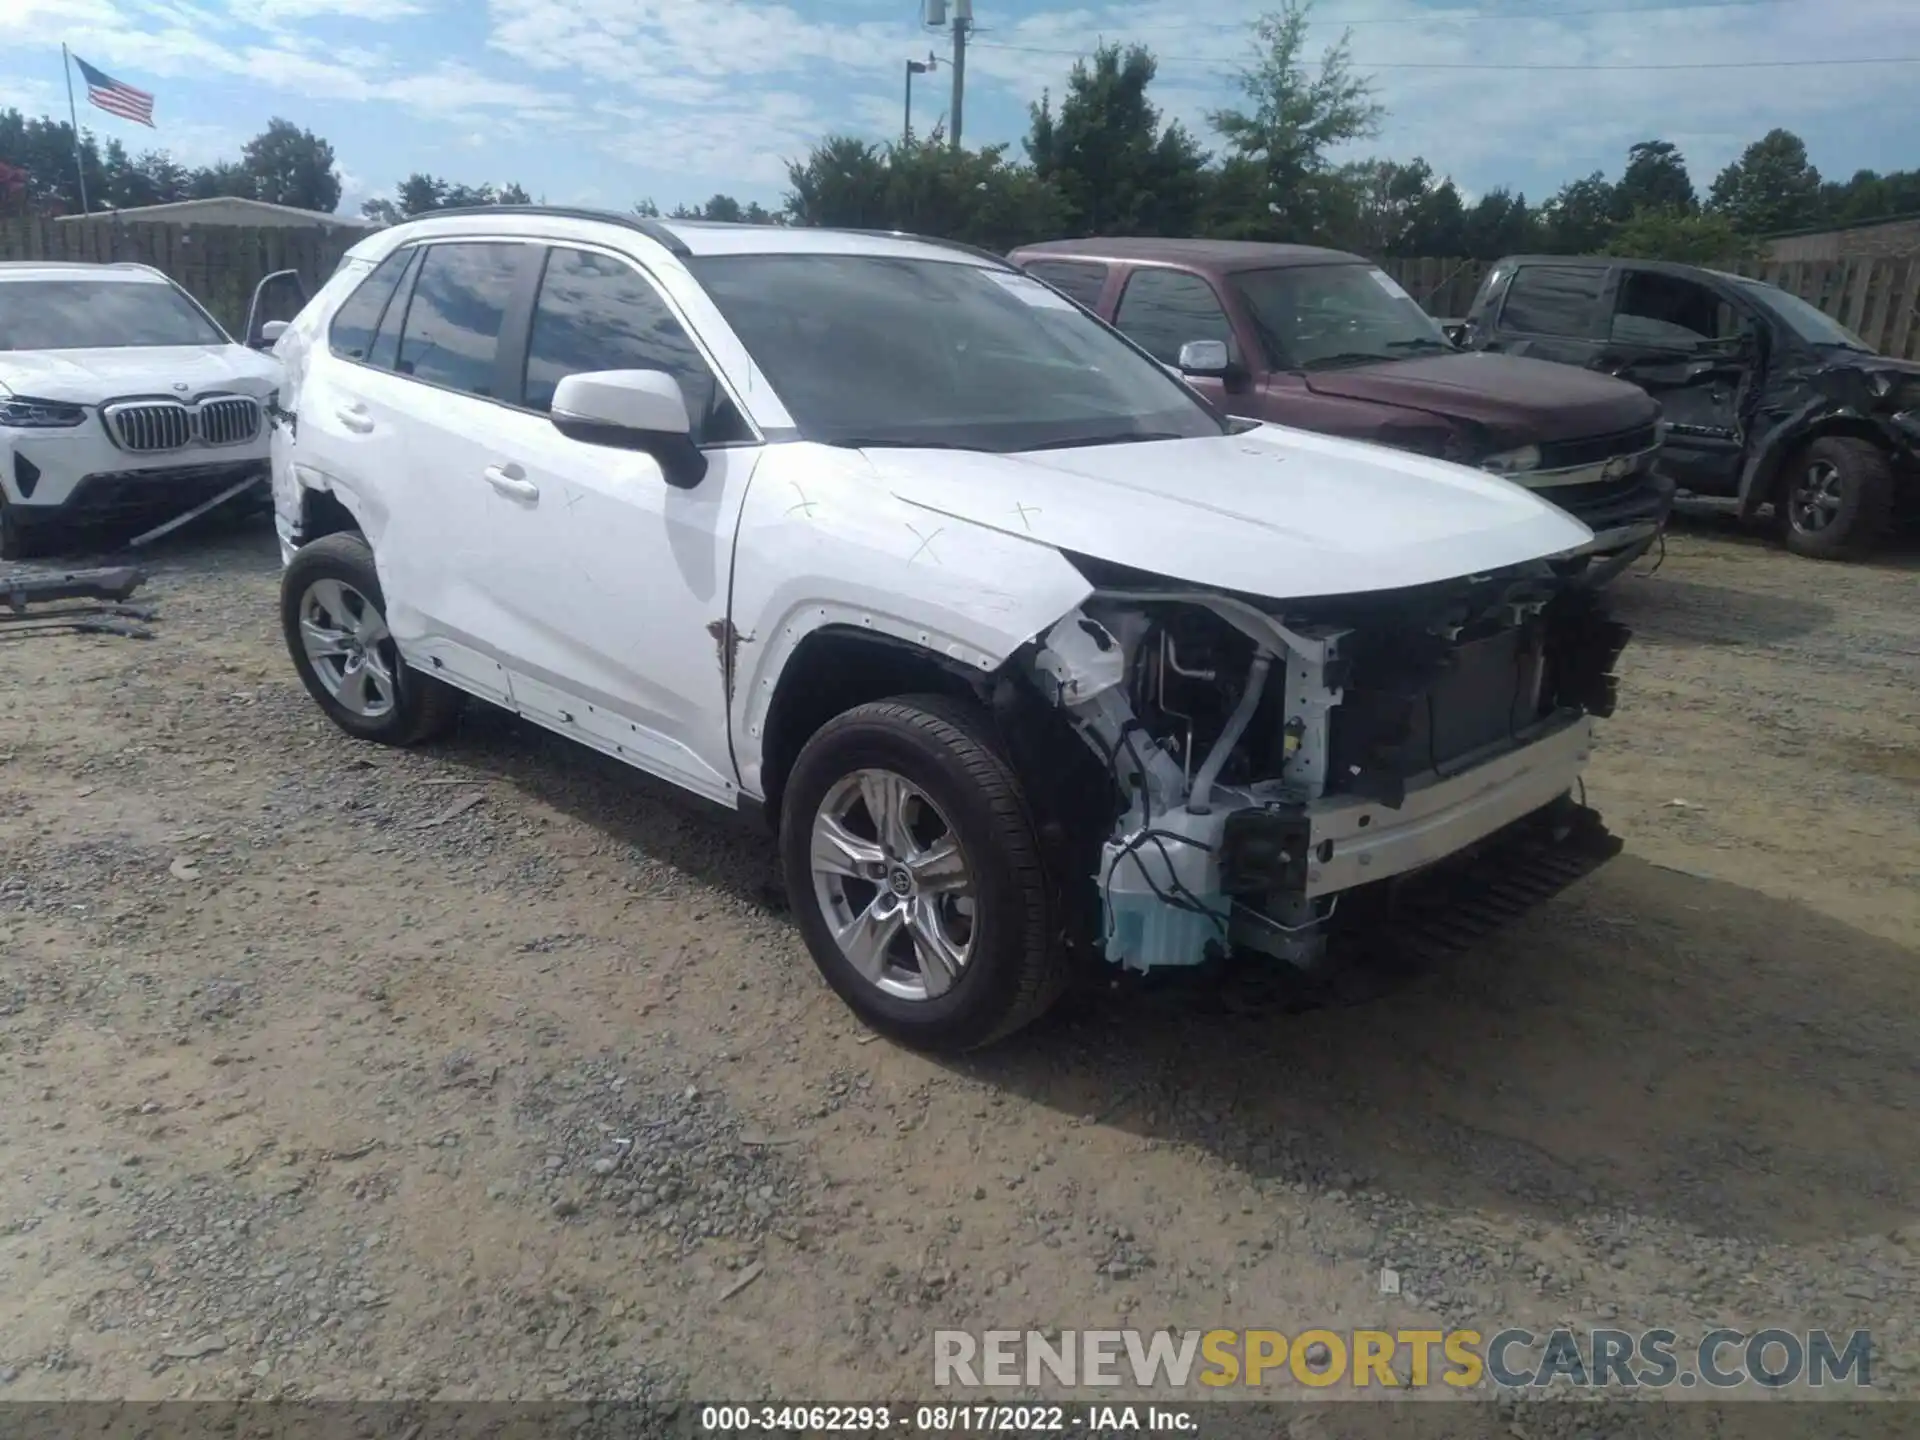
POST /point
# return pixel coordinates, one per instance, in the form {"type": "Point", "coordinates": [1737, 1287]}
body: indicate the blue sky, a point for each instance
{"type": "Point", "coordinates": [607, 101]}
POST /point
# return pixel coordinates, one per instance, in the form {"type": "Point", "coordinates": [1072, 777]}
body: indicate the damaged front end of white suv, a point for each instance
{"type": "Point", "coordinates": [1273, 759]}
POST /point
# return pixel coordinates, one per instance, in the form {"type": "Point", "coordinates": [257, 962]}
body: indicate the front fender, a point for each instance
{"type": "Point", "coordinates": [822, 542]}
{"type": "Point", "coordinates": [1766, 455]}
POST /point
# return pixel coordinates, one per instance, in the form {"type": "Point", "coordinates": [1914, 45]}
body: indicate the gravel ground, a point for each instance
{"type": "Point", "coordinates": [494, 1071]}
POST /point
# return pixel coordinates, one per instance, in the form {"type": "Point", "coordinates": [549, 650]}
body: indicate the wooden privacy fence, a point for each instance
{"type": "Point", "coordinates": [218, 264]}
{"type": "Point", "coordinates": [1878, 299]}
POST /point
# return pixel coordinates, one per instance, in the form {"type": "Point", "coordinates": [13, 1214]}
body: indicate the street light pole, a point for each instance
{"type": "Point", "coordinates": [914, 67]}
{"type": "Point", "coordinates": [962, 22]}
{"type": "Point", "coordinates": [936, 17]}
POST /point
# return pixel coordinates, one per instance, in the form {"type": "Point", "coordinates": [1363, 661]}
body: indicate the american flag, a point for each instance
{"type": "Point", "coordinates": [114, 97]}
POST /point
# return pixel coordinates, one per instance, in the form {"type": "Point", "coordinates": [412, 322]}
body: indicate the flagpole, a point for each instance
{"type": "Point", "coordinates": [79, 161]}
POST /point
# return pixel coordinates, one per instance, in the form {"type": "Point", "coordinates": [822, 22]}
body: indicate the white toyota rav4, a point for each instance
{"type": "Point", "coordinates": [1028, 653]}
{"type": "Point", "coordinates": [121, 399]}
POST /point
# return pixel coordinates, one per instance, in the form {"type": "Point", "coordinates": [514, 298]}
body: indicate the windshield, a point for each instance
{"type": "Point", "coordinates": [1315, 317]}
{"type": "Point", "coordinates": [1810, 324]}
{"type": "Point", "coordinates": [886, 350]}
{"type": "Point", "coordinates": [99, 315]}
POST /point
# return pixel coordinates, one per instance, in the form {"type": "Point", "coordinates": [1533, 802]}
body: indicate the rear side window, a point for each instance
{"type": "Point", "coordinates": [598, 313]}
{"type": "Point", "coordinates": [452, 334]}
{"type": "Point", "coordinates": [386, 340]}
{"type": "Point", "coordinates": [354, 323]}
{"type": "Point", "coordinates": [1554, 300]}
{"type": "Point", "coordinates": [1164, 309]}
{"type": "Point", "coordinates": [1079, 280]}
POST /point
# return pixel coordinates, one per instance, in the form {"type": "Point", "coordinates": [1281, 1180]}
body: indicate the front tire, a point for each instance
{"type": "Point", "coordinates": [334, 617]}
{"type": "Point", "coordinates": [1837, 498]}
{"type": "Point", "coordinates": [915, 876]}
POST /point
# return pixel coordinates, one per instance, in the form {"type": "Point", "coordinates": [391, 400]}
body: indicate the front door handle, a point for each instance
{"type": "Point", "coordinates": [510, 480]}
{"type": "Point", "coordinates": [355, 418]}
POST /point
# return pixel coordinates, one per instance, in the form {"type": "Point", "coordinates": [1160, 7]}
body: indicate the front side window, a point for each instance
{"type": "Point", "coordinates": [894, 350]}
{"type": "Point", "coordinates": [1080, 280]}
{"type": "Point", "coordinates": [1809, 322]}
{"type": "Point", "coordinates": [350, 336]}
{"type": "Point", "coordinates": [1162, 310]}
{"type": "Point", "coordinates": [452, 334]}
{"type": "Point", "coordinates": [1316, 317]}
{"type": "Point", "coordinates": [85, 314]}
{"type": "Point", "coordinates": [1670, 312]}
{"type": "Point", "coordinates": [1554, 300]}
{"type": "Point", "coordinates": [598, 313]}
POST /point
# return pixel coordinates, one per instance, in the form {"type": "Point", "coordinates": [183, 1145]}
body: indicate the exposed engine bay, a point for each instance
{"type": "Point", "coordinates": [1271, 757]}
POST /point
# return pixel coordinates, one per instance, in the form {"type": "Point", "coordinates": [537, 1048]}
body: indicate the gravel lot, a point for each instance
{"type": "Point", "coordinates": [492, 1070]}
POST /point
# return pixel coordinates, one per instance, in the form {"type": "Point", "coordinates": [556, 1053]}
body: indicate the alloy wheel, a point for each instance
{"type": "Point", "coordinates": [1815, 501]}
{"type": "Point", "coordinates": [893, 884]}
{"type": "Point", "coordinates": [348, 645]}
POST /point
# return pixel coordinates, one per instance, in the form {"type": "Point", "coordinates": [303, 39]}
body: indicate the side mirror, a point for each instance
{"type": "Point", "coordinates": [283, 294]}
{"type": "Point", "coordinates": [1205, 357]}
{"type": "Point", "coordinates": [1456, 332]}
{"type": "Point", "coordinates": [640, 410]}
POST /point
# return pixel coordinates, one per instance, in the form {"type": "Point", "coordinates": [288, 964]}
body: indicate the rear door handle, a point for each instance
{"type": "Point", "coordinates": [510, 480]}
{"type": "Point", "coordinates": [355, 418]}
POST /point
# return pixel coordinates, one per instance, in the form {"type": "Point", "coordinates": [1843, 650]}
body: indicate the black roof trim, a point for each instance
{"type": "Point", "coordinates": [974, 250]}
{"type": "Point", "coordinates": [654, 230]}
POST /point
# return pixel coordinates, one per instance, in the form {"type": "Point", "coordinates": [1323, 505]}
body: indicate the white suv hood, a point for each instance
{"type": "Point", "coordinates": [87, 377]}
{"type": "Point", "coordinates": [1274, 512]}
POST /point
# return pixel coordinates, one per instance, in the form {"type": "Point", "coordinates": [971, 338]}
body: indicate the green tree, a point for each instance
{"type": "Point", "coordinates": [1579, 219]}
{"type": "Point", "coordinates": [925, 188]}
{"type": "Point", "coordinates": [1118, 169]}
{"type": "Point", "coordinates": [291, 166]}
{"type": "Point", "coordinates": [1771, 187]}
{"type": "Point", "coordinates": [44, 148]}
{"type": "Point", "coordinates": [228, 178]}
{"type": "Point", "coordinates": [1655, 179]}
{"type": "Point", "coordinates": [1701, 238]}
{"type": "Point", "coordinates": [843, 182]}
{"type": "Point", "coordinates": [1498, 224]}
{"type": "Point", "coordinates": [1439, 223]}
{"type": "Point", "coordinates": [1399, 210]}
{"type": "Point", "coordinates": [1295, 114]}
{"type": "Point", "coordinates": [421, 193]}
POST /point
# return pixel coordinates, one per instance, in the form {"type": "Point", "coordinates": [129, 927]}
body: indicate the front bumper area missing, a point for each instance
{"type": "Point", "coordinates": [1269, 876]}
{"type": "Point", "coordinates": [1354, 841]}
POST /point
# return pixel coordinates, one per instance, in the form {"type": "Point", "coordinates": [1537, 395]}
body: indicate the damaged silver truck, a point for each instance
{"type": "Point", "coordinates": [1030, 655]}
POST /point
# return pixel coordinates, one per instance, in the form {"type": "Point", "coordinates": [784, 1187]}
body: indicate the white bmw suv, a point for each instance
{"type": "Point", "coordinates": [121, 400]}
{"type": "Point", "coordinates": [1028, 654]}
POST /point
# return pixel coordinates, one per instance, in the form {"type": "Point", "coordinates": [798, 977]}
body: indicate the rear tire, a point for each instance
{"type": "Point", "coordinates": [333, 615]}
{"type": "Point", "coordinates": [1836, 499]}
{"type": "Point", "coordinates": [973, 938]}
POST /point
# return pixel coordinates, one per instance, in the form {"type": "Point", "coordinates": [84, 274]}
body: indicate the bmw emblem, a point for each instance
{"type": "Point", "coordinates": [179, 384]}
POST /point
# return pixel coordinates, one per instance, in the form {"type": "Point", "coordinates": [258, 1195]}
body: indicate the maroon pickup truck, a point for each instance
{"type": "Point", "coordinates": [1326, 341]}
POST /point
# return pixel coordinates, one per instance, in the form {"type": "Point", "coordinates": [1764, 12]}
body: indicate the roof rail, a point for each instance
{"type": "Point", "coordinates": [976, 251]}
{"type": "Point", "coordinates": [650, 228]}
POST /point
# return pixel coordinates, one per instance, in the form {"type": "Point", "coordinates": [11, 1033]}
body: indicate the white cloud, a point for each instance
{"type": "Point", "coordinates": [673, 95]}
{"type": "Point", "coordinates": [1493, 125]}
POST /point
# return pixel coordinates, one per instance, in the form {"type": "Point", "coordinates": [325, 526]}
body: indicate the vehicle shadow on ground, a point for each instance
{"type": "Point", "coordinates": [1681, 1046]}
{"type": "Point", "coordinates": [1900, 550]}
{"type": "Point", "coordinates": [1665, 611]}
